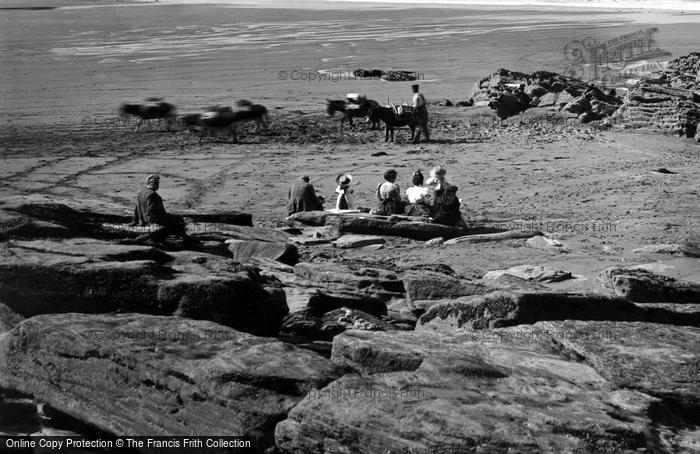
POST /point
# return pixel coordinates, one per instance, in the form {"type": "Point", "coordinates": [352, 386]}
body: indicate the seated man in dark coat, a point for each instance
{"type": "Point", "coordinates": [302, 197]}
{"type": "Point", "coordinates": [149, 211]}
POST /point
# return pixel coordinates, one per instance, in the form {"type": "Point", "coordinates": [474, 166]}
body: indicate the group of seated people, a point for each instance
{"type": "Point", "coordinates": [434, 199]}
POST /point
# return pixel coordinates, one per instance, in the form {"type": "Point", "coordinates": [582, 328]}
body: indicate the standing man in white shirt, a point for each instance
{"type": "Point", "coordinates": [420, 114]}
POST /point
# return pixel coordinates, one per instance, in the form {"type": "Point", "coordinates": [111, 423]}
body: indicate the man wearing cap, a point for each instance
{"type": "Point", "coordinates": [420, 114]}
{"type": "Point", "coordinates": [149, 210]}
{"type": "Point", "coordinates": [302, 197]}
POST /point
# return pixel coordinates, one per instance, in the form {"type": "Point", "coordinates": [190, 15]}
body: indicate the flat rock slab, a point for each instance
{"type": "Point", "coordinates": [342, 277]}
{"type": "Point", "coordinates": [236, 232]}
{"type": "Point", "coordinates": [313, 218]}
{"type": "Point", "coordinates": [37, 217]}
{"type": "Point", "coordinates": [672, 307]}
{"type": "Point", "coordinates": [660, 360]}
{"type": "Point", "coordinates": [40, 277]}
{"type": "Point", "coordinates": [245, 250]}
{"type": "Point", "coordinates": [357, 241]}
{"type": "Point", "coordinates": [422, 285]}
{"type": "Point", "coordinates": [532, 273]}
{"type": "Point", "coordinates": [222, 217]}
{"type": "Point", "coordinates": [14, 225]}
{"type": "Point", "coordinates": [430, 392]}
{"type": "Point", "coordinates": [540, 242]}
{"type": "Point", "coordinates": [133, 374]}
{"type": "Point", "coordinates": [322, 301]}
{"type": "Point", "coordinates": [330, 324]}
{"type": "Point", "coordinates": [365, 224]}
{"type": "Point", "coordinates": [674, 248]}
{"type": "Point", "coordinates": [339, 320]}
{"type": "Point", "coordinates": [88, 248]}
{"type": "Point", "coordinates": [321, 297]}
{"type": "Point", "coordinates": [645, 286]}
{"type": "Point", "coordinates": [659, 249]}
{"type": "Point", "coordinates": [496, 236]}
{"type": "Point", "coordinates": [499, 309]}
{"type": "Point", "coordinates": [503, 281]}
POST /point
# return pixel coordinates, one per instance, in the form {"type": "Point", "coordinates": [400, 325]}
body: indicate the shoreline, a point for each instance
{"type": "Point", "coordinates": [349, 5]}
{"type": "Point", "coordinates": [402, 4]}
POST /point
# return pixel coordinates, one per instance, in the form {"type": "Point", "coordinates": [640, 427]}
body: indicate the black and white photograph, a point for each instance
{"type": "Point", "coordinates": [350, 226]}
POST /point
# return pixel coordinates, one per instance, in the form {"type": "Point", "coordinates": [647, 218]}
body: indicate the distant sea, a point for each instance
{"type": "Point", "coordinates": [669, 5]}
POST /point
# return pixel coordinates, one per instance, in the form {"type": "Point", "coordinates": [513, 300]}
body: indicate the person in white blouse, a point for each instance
{"type": "Point", "coordinates": [419, 197]}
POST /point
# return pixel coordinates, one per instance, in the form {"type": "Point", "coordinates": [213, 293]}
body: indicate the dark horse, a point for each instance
{"type": "Point", "coordinates": [225, 119]}
{"type": "Point", "coordinates": [391, 120]}
{"type": "Point", "coordinates": [160, 111]}
{"type": "Point", "coordinates": [348, 113]}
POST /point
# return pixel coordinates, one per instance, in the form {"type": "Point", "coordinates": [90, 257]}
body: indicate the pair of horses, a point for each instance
{"type": "Point", "coordinates": [214, 120]}
{"type": "Point", "coordinates": [225, 119]}
{"type": "Point", "coordinates": [154, 111]}
{"type": "Point", "coordinates": [373, 113]}
{"type": "Point", "coordinates": [348, 110]}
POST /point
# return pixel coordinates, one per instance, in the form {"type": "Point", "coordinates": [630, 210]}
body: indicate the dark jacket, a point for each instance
{"type": "Point", "coordinates": [149, 208]}
{"type": "Point", "coordinates": [446, 206]}
{"type": "Point", "coordinates": [302, 197]}
{"type": "Point", "coordinates": [389, 201]}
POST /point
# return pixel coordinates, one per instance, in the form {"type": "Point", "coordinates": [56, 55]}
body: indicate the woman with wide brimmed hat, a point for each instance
{"type": "Point", "coordinates": [344, 192]}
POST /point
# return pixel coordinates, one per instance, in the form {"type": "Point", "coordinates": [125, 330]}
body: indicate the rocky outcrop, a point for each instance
{"type": "Point", "coordinates": [92, 276]}
{"type": "Point", "coordinates": [429, 392]}
{"type": "Point", "coordinates": [389, 76]}
{"type": "Point", "coordinates": [644, 286]}
{"type": "Point", "coordinates": [373, 73]}
{"type": "Point", "coordinates": [399, 76]}
{"type": "Point", "coordinates": [510, 93]}
{"type": "Point", "coordinates": [669, 102]}
{"type": "Point", "coordinates": [653, 103]}
{"type": "Point", "coordinates": [134, 374]}
{"type": "Point", "coordinates": [500, 309]}
{"type": "Point", "coordinates": [683, 71]}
